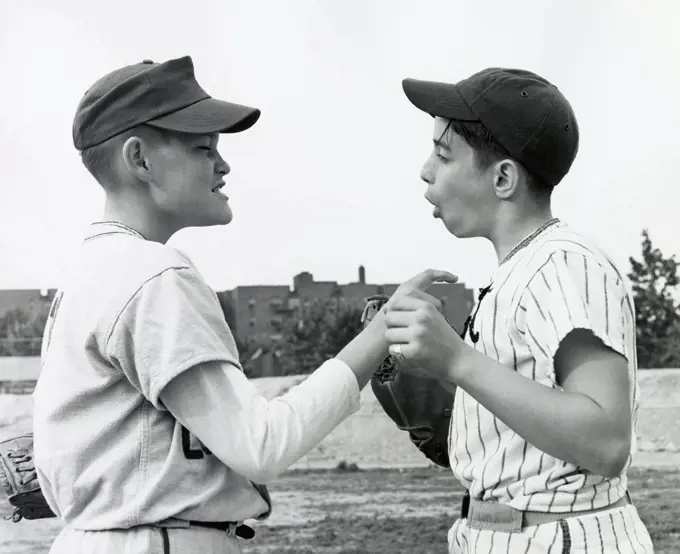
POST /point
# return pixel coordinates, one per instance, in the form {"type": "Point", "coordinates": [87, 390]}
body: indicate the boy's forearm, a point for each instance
{"type": "Point", "coordinates": [366, 351]}
{"type": "Point", "coordinates": [257, 437]}
{"type": "Point", "coordinates": [568, 426]}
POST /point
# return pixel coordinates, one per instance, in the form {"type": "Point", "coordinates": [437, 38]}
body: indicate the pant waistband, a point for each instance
{"type": "Point", "coordinates": [501, 517]}
{"type": "Point", "coordinates": [231, 527]}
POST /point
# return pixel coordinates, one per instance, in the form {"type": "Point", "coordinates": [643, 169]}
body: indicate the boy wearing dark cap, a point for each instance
{"type": "Point", "coordinates": [147, 435]}
{"type": "Point", "coordinates": [543, 424]}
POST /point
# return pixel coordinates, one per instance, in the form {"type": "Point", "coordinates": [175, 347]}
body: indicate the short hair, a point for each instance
{"type": "Point", "coordinates": [488, 150]}
{"type": "Point", "coordinates": [99, 159]}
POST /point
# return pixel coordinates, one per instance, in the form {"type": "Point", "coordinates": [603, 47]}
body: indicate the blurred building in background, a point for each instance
{"type": "Point", "coordinates": [257, 316]}
{"type": "Point", "coordinates": [23, 314]}
{"type": "Point", "coordinates": [258, 312]}
{"type": "Point", "coordinates": [24, 299]}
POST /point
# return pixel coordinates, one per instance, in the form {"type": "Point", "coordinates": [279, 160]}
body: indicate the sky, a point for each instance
{"type": "Point", "coordinates": [328, 178]}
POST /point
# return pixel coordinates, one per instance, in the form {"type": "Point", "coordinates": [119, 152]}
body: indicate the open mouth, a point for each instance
{"type": "Point", "coordinates": [216, 190]}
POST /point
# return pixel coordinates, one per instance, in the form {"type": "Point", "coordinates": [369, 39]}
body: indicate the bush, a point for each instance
{"type": "Point", "coordinates": [344, 466]}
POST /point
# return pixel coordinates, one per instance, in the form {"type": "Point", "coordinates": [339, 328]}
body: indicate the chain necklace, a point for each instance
{"type": "Point", "coordinates": [530, 238]}
{"type": "Point", "coordinates": [470, 321]}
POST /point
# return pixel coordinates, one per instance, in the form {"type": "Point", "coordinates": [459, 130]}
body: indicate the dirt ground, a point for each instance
{"type": "Point", "coordinates": [378, 512]}
{"type": "Point", "coordinates": [391, 510]}
{"type": "Point", "coordinates": [410, 510]}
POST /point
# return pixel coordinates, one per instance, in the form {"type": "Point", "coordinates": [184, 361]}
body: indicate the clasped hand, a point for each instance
{"type": "Point", "coordinates": [415, 321]}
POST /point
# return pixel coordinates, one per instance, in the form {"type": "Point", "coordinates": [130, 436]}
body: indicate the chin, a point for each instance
{"type": "Point", "coordinates": [221, 217]}
{"type": "Point", "coordinates": [451, 227]}
{"type": "Point", "coordinates": [219, 221]}
{"type": "Point", "coordinates": [457, 230]}
{"type": "Point", "coordinates": [213, 220]}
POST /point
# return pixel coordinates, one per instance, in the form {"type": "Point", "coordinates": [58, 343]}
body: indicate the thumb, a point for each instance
{"type": "Point", "coordinates": [423, 280]}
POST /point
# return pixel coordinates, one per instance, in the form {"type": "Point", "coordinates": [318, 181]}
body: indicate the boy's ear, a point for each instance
{"type": "Point", "coordinates": [505, 178]}
{"type": "Point", "coordinates": [135, 156]}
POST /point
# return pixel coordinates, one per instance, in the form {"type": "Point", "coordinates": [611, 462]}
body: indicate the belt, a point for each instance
{"type": "Point", "coordinates": [239, 529]}
{"type": "Point", "coordinates": [501, 517]}
{"type": "Point", "coordinates": [233, 527]}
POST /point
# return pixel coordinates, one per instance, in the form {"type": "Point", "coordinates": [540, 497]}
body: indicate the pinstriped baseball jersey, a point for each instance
{"type": "Point", "coordinates": [559, 282]}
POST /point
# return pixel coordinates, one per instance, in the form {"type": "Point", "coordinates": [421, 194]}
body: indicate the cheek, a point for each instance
{"type": "Point", "coordinates": [202, 171]}
{"type": "Point", "coordinates": [174, 169]}
{"type": "Point", "coordinates": [185, 174]}
{"type": "Point", "coordinates": [447, 184]}
{"type": "Point", "coordinates": [175, 192]}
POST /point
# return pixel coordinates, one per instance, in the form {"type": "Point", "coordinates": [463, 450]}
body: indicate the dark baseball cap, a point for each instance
{"type": "Point", "coordinates": [164, 95]}
{"type": "Point", "coordinates": [525, 113]}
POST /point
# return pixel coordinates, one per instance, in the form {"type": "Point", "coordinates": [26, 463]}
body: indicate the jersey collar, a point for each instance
{"type": "Point", "coordinates": [103, 228]}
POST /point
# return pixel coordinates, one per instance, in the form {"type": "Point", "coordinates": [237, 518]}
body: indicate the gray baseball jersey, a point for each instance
{"type": "Point", "coordinates": [130, 320]}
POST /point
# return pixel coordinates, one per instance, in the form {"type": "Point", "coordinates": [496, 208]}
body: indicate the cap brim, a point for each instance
{"type": "Point", "coordinates": [438, 99]}
{"type": "Point", "coordinates": [209, 116]}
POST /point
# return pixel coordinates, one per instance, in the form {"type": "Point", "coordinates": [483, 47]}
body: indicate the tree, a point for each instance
{"type": "Point", "coordinates": [316, 334]}
{"type": "Point", "coordinates": [346, 326]}
{"type": "Point", "coordinates": [655, 280]}
{"type": "Point", "coordinates": [245, 349]}
{"type": "Point", "coordinates": [21, 330]}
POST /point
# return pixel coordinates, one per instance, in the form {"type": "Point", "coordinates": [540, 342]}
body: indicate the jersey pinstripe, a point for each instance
{"type": "Point", "coordinates": [559, 282]}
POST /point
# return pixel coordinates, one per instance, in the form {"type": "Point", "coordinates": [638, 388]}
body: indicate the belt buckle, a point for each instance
{"type": "Point", "coordinates": [491, 516]}
{"type": "Point", "coordinates": [243, 531]}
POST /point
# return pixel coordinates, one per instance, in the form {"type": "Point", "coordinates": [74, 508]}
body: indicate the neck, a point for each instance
{"type": "Point", "coordinates": [511, 232]}
{"type": "Point", "coordinates": [135, 216]}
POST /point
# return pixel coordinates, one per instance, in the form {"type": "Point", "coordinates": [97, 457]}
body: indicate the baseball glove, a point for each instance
{"type": "Point", "coordinates": [20, 481]}
{"type": "Point", "coordinates": [413, 399]}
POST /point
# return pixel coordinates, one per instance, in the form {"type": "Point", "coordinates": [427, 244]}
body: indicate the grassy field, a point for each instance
{"type": "Point", "coordinates": [379, 511]}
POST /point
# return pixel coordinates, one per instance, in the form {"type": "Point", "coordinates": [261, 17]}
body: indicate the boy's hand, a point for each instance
{"type": "Point", "coordinates": [416, 286]}
{"type": "Point", "coordinates": [420, 335]}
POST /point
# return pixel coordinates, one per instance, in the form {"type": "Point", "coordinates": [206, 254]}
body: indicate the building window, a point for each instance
{"type": "Point", "coordinates": [253, 322]}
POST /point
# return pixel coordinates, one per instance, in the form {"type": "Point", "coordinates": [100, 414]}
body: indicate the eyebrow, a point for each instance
{"type": "Point", "coordinates": [441, 144]}
{"type": "Point", "coordinates": [210, 137]}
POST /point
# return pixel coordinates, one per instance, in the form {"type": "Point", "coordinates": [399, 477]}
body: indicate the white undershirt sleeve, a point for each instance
{"type": "Point", "coordinates": [172, 343]}
{"type": "Point", "coordinates": [254, 436]}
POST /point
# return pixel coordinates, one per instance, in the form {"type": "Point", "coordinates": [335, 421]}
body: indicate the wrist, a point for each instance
{"type": "Point", "coordinates": [461, 365]}
{"type": "Point", "coordinates": [376, 329]}
{"type": "Point", "coordinates": [366, 351]}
